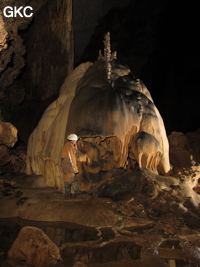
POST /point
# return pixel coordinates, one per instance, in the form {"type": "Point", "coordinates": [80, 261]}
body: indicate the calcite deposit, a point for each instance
{"type": "Point", "coordinates": [115, 118]}
{"type": "Point", "coordinates": [47, 140]}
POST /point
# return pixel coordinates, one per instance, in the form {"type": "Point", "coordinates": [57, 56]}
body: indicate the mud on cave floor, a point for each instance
{"type": "Point", "coordinates": [122, 225]}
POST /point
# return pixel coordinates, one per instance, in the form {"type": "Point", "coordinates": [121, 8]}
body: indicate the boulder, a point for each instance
{"type": "Point", "coordinates": [8, 134]}
{"type": "Point", "coordinates": [8, 138]}
{"type": "Point", "coordinates": [34, 248]}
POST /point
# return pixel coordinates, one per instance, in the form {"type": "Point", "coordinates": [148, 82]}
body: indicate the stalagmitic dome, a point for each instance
{"type": "Point", "coordinates": [113, 114]}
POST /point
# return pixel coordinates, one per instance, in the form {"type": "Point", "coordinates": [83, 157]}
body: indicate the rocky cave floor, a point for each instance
{"type": "Point", "coordinates": [144, 221]}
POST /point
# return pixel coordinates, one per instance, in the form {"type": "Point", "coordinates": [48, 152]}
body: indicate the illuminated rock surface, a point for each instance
{"type": "Point", "coordinates": [115, 118]}
{"type": "Point", "coordinates": [3, 35]}
{"type": "Point", "coordinates": [8, 138]}
{"type": "Point", "coordinates": [8, 134]}
{"type": "Point", "coordinates": [111, 117]}
{"type": "Point", "coordinates": [47, 141]}
{"type": "Point", "coordinates": [34, 248]}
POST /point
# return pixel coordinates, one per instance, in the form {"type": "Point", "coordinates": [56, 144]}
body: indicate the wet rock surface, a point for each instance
{"type": "Point", "coordinates": [147, 220]}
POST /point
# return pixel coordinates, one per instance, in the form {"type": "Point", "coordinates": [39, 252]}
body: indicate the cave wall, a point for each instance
{"type": "Point", "coordinates": [35, 60]}
{"type": "Point", "coordinates": [49, 44]}
{"type": "Point", "coordinates": [12, 47]}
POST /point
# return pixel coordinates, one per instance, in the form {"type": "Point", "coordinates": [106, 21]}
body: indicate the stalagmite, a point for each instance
{"type": "Point", "coordinates": [114, 116]}
{"type": "Point", "coordinates": [47, 140]}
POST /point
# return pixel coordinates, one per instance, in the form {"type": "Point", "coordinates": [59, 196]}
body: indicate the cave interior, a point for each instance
{"type": "Point", "coordinates": [150, 218]}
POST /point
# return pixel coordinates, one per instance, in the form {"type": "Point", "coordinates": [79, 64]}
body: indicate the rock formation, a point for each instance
{"type": "Point", "coordinates": [133, 219]}
{"type": "Point", "coordinates": [47, 140]}
{"type": "Point", "coordinates": [113, 114]}
{"type": "Point", "coordinates": [33, 248]}
{"type": "Point", "coordinates": [8, 134]}
{"type": "Point", "coordinates": [8, 138]}
{"type": "Point", "coordinates": [3, 35]}
{"type": "Point", "coordinates": [139, 216]}
{"type": "Point", "coordinates": [11, 46]}
{"type": "Point", "coordinates": [184, 149]}
{"type": "Point", "coordinates": [31, 47]}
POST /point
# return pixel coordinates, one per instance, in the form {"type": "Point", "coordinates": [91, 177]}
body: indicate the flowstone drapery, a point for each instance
{"type": "Point", "coordinates": [47, 140]}
{"type": "Point", "coordinates": [113, 114]}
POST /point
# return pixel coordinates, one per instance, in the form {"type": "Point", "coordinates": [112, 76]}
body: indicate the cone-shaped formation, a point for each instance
{"type": "Point", "coordinates": [113, 114]}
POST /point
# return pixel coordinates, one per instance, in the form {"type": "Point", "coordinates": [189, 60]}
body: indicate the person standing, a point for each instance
{"type": "Point", "coordinates": [69, 165]}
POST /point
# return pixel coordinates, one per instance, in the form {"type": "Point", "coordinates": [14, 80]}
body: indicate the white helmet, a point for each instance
{"type": "Point", "coordinates": [72, 137]}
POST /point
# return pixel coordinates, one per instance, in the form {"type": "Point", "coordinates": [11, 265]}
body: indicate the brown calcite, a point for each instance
{"type": "Point", "coordinates": [123, 110]}
{"type": "Point", "coordinates": [47, 140]}
{"type": "Point", "coordinates": [115, 118]}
